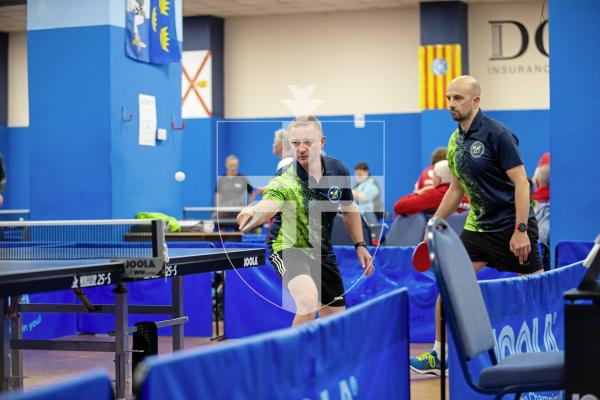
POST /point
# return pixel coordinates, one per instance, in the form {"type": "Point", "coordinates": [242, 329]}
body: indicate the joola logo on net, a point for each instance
{"type": "Point", "coordinates": [528, 337]}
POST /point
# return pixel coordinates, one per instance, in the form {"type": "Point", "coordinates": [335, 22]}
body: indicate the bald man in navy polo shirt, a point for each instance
{"type": "Point", "coordinates": [485, 162]}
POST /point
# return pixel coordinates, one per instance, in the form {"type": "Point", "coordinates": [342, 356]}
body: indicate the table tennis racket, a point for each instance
{"type": "Point", "coordinates": [251, 222]}
{"type": "Point", "coordinates": [420, 258]}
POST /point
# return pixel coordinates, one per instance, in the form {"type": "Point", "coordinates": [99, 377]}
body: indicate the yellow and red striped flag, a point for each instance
{"type": "Point", "coordinates": [438, 65]}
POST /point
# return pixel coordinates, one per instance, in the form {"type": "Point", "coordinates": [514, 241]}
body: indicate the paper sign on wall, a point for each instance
{"type": "Point", "coordinates": [147, 107]}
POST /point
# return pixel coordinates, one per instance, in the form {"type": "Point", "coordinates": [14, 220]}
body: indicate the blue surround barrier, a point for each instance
{"type": "Point", "coordinates": [527, 315]}
{"type": "Point", "coordinates": [253, 296]}
{"type": "Point", "coordinates": [362, 352]}
{"type": "Point", "coordinates": [95, 385]}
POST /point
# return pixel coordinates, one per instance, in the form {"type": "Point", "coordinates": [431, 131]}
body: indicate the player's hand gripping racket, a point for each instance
{"type": "Point", "coordinates": [420, 258]}
{"type": "Point", "coordinates": [250, 222]}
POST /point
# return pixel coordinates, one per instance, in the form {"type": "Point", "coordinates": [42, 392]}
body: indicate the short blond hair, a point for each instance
{"type": "Point", "coordinates": [306, 120]}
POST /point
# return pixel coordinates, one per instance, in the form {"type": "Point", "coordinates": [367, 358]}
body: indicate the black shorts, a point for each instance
{"type": "Point", "coordinates": [493, 248]}
{"type": "Point", "coordinates": [324, 272]}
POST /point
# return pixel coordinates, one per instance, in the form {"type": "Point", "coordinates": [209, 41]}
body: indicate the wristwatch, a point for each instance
{"type": "Point", "coordinates": [521, 227]}
{"type": "Point", "coordinates": [358, 244]}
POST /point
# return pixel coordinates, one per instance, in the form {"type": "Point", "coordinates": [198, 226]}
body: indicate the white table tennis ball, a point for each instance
{"type": "Point", "coordinates": [179, 176]}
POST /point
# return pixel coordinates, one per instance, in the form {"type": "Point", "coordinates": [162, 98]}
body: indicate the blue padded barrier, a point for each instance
{"type": "Point", "coordinates": [95, 385]}
{"type": "Point", "coordinates": [362, 351]}
{"type": "Point", "coordinates": [527, 315]}
{"type": "Point", "coordinates": [247, 312]}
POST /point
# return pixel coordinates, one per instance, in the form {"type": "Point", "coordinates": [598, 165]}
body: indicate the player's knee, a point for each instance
{"type": "Point", "coordinates": [307, 302]}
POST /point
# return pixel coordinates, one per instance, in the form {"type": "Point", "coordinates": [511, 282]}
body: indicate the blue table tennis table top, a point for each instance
{"type": "Point", "coordinates": [30, 276]}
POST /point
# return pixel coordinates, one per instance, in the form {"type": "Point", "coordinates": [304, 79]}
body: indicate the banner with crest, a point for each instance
{"type": "Point", "coordinates": [150, 34]}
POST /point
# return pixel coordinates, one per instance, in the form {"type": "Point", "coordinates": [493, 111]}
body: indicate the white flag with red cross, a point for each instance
{"type": "Point", "coordinates": [196, 84]}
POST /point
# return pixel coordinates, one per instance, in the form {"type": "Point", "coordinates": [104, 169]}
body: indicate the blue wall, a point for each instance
{"type": "Point", "coordinates": [87, 162]}
{"type": "Point", "coordinates": [436, 128]}
{"type": "Point", "coordinates": [143, 176]}
{"type": "Point", "coordinates": [16, 162]}
{"type": "Point", "coordinates": [69, 86]}
{"type": "Point", "coordinates": [574, 106]}
{"type": "Point", "coordinates": [199, 162]}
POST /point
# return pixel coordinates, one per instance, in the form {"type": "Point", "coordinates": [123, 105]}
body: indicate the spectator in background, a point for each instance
{"type": "Point", "coordinates": [425, 181]}
{"type": "Point", "coordinates": [541, 197]}
{"type": "Point", "coordinates": [429, 200]}
{"type": "Point", "coordinates": [366, 193]}
{"type": "Point", "coordinates": [231, 191]}
{"type": "Point", "coordinates": [541, 179]}
{"type": "Point", "coordinates": [282, 148]}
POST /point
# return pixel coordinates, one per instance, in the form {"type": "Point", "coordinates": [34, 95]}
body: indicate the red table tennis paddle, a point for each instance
{"type": "Point", "coordinates": [420, 258]}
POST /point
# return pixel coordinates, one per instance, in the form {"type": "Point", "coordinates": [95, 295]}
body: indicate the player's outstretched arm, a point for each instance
{"type": "Point", "coordinates": [257, 214]}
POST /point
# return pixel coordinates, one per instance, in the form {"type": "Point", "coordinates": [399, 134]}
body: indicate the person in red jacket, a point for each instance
{"type": "Point", "coordinates": [541, 179]}
{"type": "Point", "coordinates": [425, 181]}
{"type": "Point", "coordinates": [429, 199]}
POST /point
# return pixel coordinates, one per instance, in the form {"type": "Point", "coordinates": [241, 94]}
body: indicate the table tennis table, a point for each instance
{"type": "Point", "coordinates": [19, 277]}
{"type": "Point", "coordinates": [192, 237]}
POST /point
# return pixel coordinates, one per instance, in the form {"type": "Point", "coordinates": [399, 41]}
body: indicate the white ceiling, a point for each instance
{"type": "Point", "coordinates": [14, 18]}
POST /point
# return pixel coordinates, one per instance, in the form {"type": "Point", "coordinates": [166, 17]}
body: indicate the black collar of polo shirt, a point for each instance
{"type": "Point", "coordinates": [475, 125]}
{"type": "Point", "coordinates": [304, 175]}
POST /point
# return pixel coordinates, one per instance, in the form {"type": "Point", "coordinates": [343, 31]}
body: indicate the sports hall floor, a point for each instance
{"type": "Point", "coordinates": [43, 368]}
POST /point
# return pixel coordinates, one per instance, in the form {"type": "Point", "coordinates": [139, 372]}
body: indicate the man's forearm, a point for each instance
{"type": "Point", "coordinates": [267, 208]}
{"type": "Point", "coordinates": [353, 224]}
{"type": "Point", "coordinates": [449, 203]}
{"type": "Point", "coordinates": [522, 202]}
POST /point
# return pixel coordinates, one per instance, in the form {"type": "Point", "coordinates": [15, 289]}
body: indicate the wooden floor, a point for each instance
{"type": "Point", "coordinates": [46, 367]}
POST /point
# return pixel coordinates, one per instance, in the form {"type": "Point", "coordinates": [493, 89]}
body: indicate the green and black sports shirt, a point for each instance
{"type": "Point", "coordinates": [479, 159]}
{"type": "Point", "coordinates": [308, 207]}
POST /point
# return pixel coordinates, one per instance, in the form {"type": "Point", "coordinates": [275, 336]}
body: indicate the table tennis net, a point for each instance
{"type": "Point", "coordinates": [70, 240]}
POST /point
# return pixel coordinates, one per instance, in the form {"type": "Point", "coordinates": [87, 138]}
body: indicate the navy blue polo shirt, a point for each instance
{"type": "Point", "coordinates": [308, 208]}
{"type": "Point", "coordinates": [479, 159]}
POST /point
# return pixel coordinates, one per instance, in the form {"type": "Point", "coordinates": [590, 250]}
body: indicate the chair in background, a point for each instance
{"type": "Point", "coordinates": [406, 230]}
{"type": "Point", "coordinates": [457, 221]}
{"type": "Point", "coordinates": [341, 237]}
{"type": "Point", "coordinates": [471, 328]}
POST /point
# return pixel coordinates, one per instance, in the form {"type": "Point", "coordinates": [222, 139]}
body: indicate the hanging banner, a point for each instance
{"type": "Point", "coordinates": [438, 65]}
{"type": "Point", "coordinates": [150, 31]}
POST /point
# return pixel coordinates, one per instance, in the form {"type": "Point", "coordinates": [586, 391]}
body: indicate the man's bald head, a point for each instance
{"type": "Point", "coordinates": [467, 84]}
{"type": "Point", "coordinates": [463, 94]}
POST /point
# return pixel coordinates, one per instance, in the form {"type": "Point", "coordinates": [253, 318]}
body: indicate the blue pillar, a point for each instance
{"type": "Point", "coordinates": [574, 104]}
{"type": "Point", "coordinates": [200, 137]}
{"type": "Point", "coordinates": [3, 79]}
{"type": "Point", "coordinates": [85, 159]}
{"type": "Point", "coordinates": [444, 22]}
{"type": "Point", "coordinates": [4, 99]}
